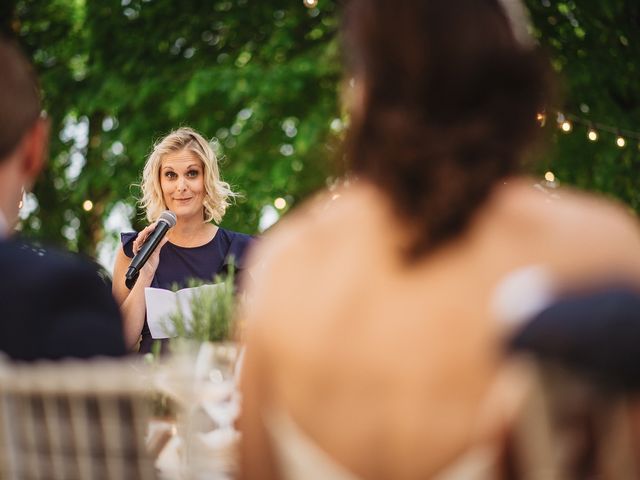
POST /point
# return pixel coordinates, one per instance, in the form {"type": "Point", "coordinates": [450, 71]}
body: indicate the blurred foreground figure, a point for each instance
{"type": "Point", "coordinates": [582, 417]}
{"type": "Point", "coordinates": [596, 334]}
{"type": "Point", "coordinates": [52, 305]}
{"type": "Point", "coordinates": [377, 323]}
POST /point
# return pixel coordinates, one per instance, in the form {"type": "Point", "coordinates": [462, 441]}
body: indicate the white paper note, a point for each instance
{"type": "Point", "coordinates": [161, 304]}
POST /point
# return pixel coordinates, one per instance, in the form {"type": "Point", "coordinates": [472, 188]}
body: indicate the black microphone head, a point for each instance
{"type": "Point", "coordinates": [168, 217]}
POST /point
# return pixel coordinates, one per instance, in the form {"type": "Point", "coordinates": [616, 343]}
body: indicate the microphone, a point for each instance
{"type": "Point", "coordinates": [166, 220]}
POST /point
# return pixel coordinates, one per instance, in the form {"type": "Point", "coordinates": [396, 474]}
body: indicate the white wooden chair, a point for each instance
{"type": "Point", "coordinates": [572, 428]}
{"type": "Point", "coordinates": [73, 420]}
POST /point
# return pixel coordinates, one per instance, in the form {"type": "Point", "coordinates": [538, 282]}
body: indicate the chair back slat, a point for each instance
{"type": "Point", "coordinates": [574, 428]}
{"type": "Point", "coordinates": [73, 420]}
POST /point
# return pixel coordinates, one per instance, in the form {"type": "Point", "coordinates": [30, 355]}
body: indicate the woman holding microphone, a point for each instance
{"type": "Point", "coordinates": [180, 175]}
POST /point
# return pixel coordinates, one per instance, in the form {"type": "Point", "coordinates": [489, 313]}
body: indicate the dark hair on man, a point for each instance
{"type": "Point", "coordinates": [19, 96]}
{"type": "Point", "coordinates": [450, 102]}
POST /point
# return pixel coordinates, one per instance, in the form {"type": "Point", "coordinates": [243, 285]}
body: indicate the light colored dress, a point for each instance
{"type": "Point", "coordinates": [299, 458]}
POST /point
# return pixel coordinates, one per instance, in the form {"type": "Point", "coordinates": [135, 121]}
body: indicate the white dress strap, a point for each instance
{"type": "Point", "coordinates": [522, 294]}
{"type": "Point", "coordinates": [298, 456]}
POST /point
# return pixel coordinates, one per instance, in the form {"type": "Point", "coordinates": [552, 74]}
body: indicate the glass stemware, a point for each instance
{"type": "Point", "coordinates": [201, 377]}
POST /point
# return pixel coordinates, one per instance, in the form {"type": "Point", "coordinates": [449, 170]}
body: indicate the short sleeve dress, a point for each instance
{"type": "Point", "coordinates": [180, 264]}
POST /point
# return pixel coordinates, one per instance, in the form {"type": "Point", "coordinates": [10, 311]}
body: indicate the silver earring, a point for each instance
{"type": "Point", "coordinates": [21, 202]}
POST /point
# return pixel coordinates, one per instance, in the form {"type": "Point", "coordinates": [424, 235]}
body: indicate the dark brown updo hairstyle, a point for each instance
{"type": "Point", "coordinates": [449, 102]}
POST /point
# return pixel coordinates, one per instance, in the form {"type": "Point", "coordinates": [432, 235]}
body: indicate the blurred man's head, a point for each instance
{"type": "Point", "coordinates": [23, 132]}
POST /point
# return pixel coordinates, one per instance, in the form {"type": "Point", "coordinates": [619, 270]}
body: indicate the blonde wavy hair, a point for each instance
{"type": "Point", "coordinates": [217, 192]}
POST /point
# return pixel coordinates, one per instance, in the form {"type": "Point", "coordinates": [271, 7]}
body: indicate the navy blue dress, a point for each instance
{"type": "Point", "coordinates": [180, 264]}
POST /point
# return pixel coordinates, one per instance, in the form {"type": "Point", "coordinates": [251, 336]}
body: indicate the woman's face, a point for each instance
{"type": "Point", "coordinates": [182, 183]}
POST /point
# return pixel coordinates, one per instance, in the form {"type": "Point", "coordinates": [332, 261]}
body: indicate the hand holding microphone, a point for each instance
{"type": "Point", "coordinates": [154, 240]}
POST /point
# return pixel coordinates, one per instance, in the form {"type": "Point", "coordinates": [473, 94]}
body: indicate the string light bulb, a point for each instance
{"type": "Point", "coordinates": [541, 118]}
{"type": "Point", "coordinates": [565, 123]}
{"type": "Point", "coordinates": [87, 205]}
{"type": "Point", "coordinates": [280, 203]}
{"type": "Point", "coordinates": [310, 3]}
{"type": "Point", "coordinates": [549, 177]}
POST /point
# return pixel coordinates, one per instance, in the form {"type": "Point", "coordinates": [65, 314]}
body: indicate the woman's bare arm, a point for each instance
{"type": "Point", "coordinates": [132, 302]}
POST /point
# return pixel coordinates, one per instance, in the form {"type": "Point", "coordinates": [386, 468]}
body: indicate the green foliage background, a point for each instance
{"type": "Point", "coordinates": [262, 77]}
{"type": "Point", "coordinates": [595, 46]}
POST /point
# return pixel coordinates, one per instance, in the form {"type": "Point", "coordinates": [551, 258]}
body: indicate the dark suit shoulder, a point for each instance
{"type": "Point", "coordinates": [54, 304]}
{"type": "Point", "coordinates": [33, 256]}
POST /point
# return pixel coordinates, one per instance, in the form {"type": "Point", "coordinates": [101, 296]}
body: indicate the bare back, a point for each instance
{"type": "Point", "coordinates": [386, 364]}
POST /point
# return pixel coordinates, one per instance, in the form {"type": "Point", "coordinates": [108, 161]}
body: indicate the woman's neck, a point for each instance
{"type": "Point", "coordinates": [191, 233]}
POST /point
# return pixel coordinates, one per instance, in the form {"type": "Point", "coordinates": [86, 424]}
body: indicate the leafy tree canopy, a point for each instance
{"type": "Point", "coordinates": [261, 79]}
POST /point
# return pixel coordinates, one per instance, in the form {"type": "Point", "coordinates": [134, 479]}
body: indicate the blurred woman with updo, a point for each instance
{"type": "Point", "coordinates": [377, 322]}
